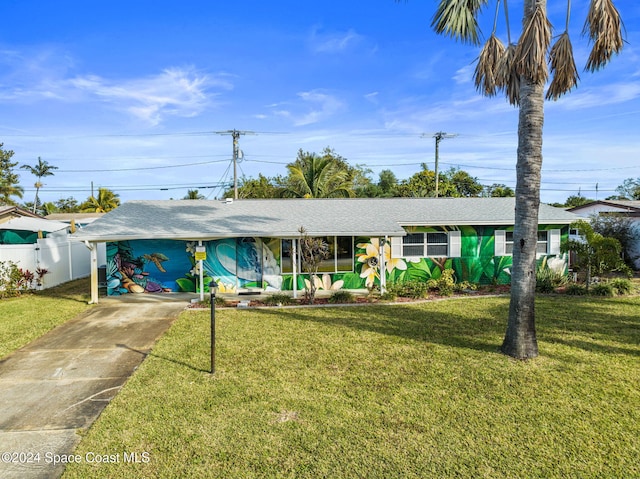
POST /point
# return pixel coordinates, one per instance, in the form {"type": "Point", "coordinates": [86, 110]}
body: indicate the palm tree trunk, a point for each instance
{"type": "Point", "coordinates": [520, 339]}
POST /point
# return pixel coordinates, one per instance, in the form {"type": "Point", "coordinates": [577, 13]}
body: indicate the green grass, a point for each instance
{"type": "Point", "coordinates": [29, 316]}
{"type": "Point", "coordinates": [382, 392]}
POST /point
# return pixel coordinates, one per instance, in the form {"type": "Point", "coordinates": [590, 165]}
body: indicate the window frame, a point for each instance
{"type": "Point", "coordinates": [334, 247]}
{"type": "Point", "coordinates": [453, 245]}
{"type": "Point", "coordinates": [504, 242]}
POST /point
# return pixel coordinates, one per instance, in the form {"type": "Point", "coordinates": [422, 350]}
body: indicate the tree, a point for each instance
{"type": "Point", "coordinates": [629, 189]}
{"type": "Point", "coordinates": [40, 170]}
{"type": "Point", "coordinates": [614, 225]}
{"type": "Point", "coordinates": [387, 182]}
{"type": "Point", "coordinates": [261, 187]}
{"type": "Point", "coordinates": [454, 183]}
{"type": "Point", "coordinates": [319, 176]}
{"type": "Point", "coordinates": [594, 253]}
{"type": "Point", "coordinates": [9, 184]}
{"type": "Point", "coordinates": [67, 205]}
{"type": "Point", "coordinates": [520, 71]}
{"type": "Point", "coordinates": [106, 201]}
{"type": "Point", "coordinates": [498, 190]}
{"type": "Point", "coordinates": [193, 195]}
{"type": "Point", "coordinates": [313, 251]}
{"type": "Point", "coordinates": [463, 185]}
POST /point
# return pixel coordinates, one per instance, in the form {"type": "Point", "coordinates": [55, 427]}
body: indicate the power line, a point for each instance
{"type": "Point", "coordinates": [93, 170]}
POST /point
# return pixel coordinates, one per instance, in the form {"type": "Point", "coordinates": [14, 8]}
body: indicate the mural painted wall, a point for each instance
{"type": "Point", "coordinates": [241, 263]}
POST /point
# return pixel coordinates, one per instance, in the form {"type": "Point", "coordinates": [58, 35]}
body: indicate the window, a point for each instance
{"type": "Point", "coordinates": [423, 245]}
{"type": "Point", "coordinates": [548, 242]}
{"type": "Point", "coordinates": [340, 255]}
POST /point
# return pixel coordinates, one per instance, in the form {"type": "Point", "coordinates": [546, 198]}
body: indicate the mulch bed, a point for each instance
{"type": "Point", "coordinates": [256, 303]}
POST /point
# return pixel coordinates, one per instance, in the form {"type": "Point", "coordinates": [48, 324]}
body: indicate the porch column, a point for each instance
{"type": "Point", "coordinates": [294, 260]}
{"type": "Point", "coordinates": [382, 265]}
{"type": "Point", "coordinates": [93, 248]}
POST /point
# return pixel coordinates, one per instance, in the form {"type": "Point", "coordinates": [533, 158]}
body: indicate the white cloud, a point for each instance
{"type": "Point", "coordinates": [46, 74]}
{"type": "Point", "coordinates": [333, 42]}
{"type": "Point", "coordinates": [319, 106]}
{"type": "Point", "coordinates": [174, 92]}
{"type": "Point", "coordinates": [606, 95]}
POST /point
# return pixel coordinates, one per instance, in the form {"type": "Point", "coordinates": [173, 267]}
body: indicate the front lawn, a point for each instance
{"type": "Point", "coordinates": [29, 316]}
{"type": "Point", "coordinates": [381, 391]}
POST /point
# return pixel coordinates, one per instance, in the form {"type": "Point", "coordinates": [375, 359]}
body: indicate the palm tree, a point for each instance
{"type": "Point", "coordinates": [313, 176]}
{"type": "Point", "coordinates": [520, 71]}
{"type": "Point", "coordinates": [193, 195]}
{"type": "Point", "coordinates": [7, 190]}
{"type": "Point", "coordinates": [41, 169]}
{"type": "Point", "coordinates": [106, 201]}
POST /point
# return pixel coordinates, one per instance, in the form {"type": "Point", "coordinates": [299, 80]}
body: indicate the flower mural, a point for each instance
{"type": "Point", "coordinates": [370, 259]}
{"type": "Point", "coordinates": [324, 283]}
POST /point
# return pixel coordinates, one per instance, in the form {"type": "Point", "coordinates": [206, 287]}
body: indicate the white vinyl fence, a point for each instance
{"type": "Point", "coordinates": [62, 258]}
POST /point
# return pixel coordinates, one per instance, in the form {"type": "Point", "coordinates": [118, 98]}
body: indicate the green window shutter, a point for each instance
{"type": "Point", "coordinates": [500, 238]}
{"type": "Point", "coordinates": [455, 244]}
{"type": "Point", "coordinates": [554, 241]}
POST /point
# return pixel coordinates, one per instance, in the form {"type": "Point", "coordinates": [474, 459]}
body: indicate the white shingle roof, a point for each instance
{"type": "Point", "coordinates": [204, 219]}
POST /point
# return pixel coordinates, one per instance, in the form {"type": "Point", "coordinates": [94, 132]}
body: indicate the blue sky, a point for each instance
{"type": "Point", "coordinates": [129, 95]}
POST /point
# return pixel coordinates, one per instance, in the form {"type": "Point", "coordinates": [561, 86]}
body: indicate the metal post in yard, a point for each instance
{"type": "Point", "coordinates": [213, 286]}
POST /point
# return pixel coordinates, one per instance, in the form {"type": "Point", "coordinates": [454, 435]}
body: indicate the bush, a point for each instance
{"type": "Point", "coordinates": [408, 289]}
{"type": "Point", "coordinates": [464, 286]}
{"type": "Point", "coordinates": [445, 284]}
{"type": "Point", "coordinates": [547, 280]}
{"type": "Point", "coordinates": [602, 289]}
{"type": "Point", "coordinates": [278, 299]}
{"type": "Point", "coordinates": [13, 280]}
{"type": "Point", "coordinates": [622, 286]}
{"type": "Point", "coordinates": [576, 290]}
{"type": "Point", "coordinates": [342, 296]}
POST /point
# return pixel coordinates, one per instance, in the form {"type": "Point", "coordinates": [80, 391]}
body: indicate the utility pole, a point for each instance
{"type": "Point", "coordinates": [235, 134]}
{"type": "Point", "coordinates": [439, 136]}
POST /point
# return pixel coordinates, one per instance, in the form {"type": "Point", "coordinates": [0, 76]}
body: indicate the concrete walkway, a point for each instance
{"type": "Point", "coordinates": [61, 382]}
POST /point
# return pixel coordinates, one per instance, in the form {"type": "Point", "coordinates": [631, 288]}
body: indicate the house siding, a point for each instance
{"type": "Point", "coordinates": [241, 263]}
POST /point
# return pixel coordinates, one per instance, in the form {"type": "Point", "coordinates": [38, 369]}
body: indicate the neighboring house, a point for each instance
{"type": "Point", "coordinates": [75, 220]}
{"type": "Point", "coordinates": [158, 246]}
{"type": "Point", "coordinates": [36, 244]}
{"type": "Point", "coordinates": [21, 226]}
{"type": "Point", "coordinates": [625, 208]}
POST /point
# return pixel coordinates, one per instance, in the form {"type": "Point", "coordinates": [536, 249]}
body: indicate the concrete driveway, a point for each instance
{"type": "Point", "coordinates": [61, 382]}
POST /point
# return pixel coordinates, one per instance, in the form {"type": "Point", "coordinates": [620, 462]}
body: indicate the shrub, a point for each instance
{"type": "Point", "coordinates": [445, 284]}
{"type": "Point", "coordinates": [621, 286]}
{"type": "Point", "coordinates": [602, 289]}
{"type": "Point", "coordinates": [278, 299]}
{"type": "Point", "coordinates": [389, 296]}
{"type": "Point", "coordinates": [13, 279]}
{"type": "Point", "coordinates": [547, 280]}
{"type": "Point", "coordinates": [576, 290]}
{"type": "Point", "coordinates": [409, 289]}
{"type": "Point", "coordinates": [464, 286]}
{"type": "Point", "coordinates": [342, 296]}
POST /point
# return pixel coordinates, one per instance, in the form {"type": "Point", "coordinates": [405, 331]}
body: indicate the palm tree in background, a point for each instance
{"type": "Point", "coordinates": [319, 176]}
{"type": "Point", "coordinates": [39, 170]}
{"type": "Point", "coordinates": [194, 195]}
{"type": "Point", "coordinates": [106, 201]}
{"type": "Point", "coordinates": [520, 71]}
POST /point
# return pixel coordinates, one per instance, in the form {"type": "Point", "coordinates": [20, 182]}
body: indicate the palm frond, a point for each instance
{"type": "Point", "coordinates": [604, 26]}
{"type": "Point", "coordinates": [531, 52]}
{"type": "Point", "coordinates": [563, 68]}
{"type": "Point", "coordinates": [486, 70]}
{"type": "Point", "coordinates": [458, 19]}
{"type": "Point", "coordinates": [507, 78]}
